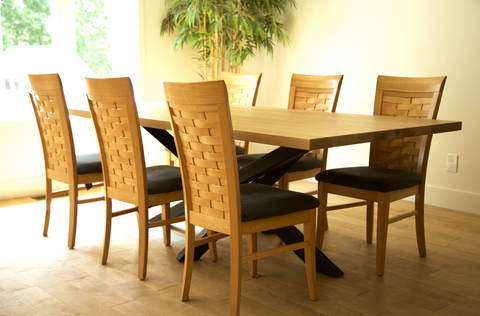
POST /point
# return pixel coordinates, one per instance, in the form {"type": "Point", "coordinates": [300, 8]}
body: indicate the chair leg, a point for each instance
{"type": "Point", "coordinates": [283, 182]}
{"type": "Point", "coordinates": [166, 228]}
{"type": "Point", "coordinates": [252, 248]}
{"type": "Point", "coordinates": [322, 215]}
{"type": "Point", "coordinates": [212, 246]}
{"type": "Point", "coordinates": [142, 241]}
{"type": "Point", "coordinates": [48, 204]}
{"type": "Point", "coordinates": [310, 265]}
{"type": "Point", "coordinates": [108, 229]}
{"type": "Point", "coordinates": [382, 228]}
{"type": "Point", "coordinates": [370, 218]}
{"type": "Point", "coordinates": [188, 265]}
{"type": "Point", "coordinates": [420, 223]}
{"type": "Point", "coordinates": [72, 227]}
{"type": "Point", "coordinates": [235, 274]}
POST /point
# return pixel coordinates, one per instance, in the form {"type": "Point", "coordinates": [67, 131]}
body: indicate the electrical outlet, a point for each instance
{"type": "Point", "coordinates": [452, 163]}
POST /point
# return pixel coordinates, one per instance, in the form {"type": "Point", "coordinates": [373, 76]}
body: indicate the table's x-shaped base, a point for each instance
{"type": "Point", "coordinates": [266, 170]}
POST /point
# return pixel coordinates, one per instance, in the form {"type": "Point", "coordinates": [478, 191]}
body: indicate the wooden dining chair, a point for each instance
{"type": "Point", "coordinates": [214, 199]}
{"type": "Point", "coordinates": [307, 93]}
{"type": "Point", "coordinates": [127, 179]}
{"type": "Point", "coordinates": [242, 91]}
{"type": "Point", "coordinates": [62, 162]}
{"type": "Point", "coordinates": [397, 168]}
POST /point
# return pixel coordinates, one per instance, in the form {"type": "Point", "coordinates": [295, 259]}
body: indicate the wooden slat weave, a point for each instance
{"type": "Point", "coordinates": [313, 99]}
{"type": "Point", "coordinates": [52, 130]}
{"type": "Point", "coordinates": [241, 95]}
{"type": "Point", "coordinates": [117, 140]}
{"type": "Point", "coordinates": [199, 130]}
{"type": "Point", "coordinates": [403, 154]}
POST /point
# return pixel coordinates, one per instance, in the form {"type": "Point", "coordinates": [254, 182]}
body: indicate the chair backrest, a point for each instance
{"type": "Point", "coordinates": [114, 114]}
{"type": "Point", "coordinates": [51, 114]}
{"type": "Point", "coordinates": [242, 88]}
{"type": "Point", "coordinates": [202, 126]}
{"type": "Point", "coordinates": [406, 97]}
{"type": "Point", "coordinates": [312, 92]}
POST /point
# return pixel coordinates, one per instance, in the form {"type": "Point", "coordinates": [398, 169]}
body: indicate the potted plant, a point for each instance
{"type": "Point", "coordinates": [225, 33]}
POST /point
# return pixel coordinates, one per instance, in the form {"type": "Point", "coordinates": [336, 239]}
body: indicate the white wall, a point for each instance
{"type": "Point", "coordinates": [363, 39]}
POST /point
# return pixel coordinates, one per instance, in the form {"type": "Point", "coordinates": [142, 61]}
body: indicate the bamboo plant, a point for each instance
{"type": "Point", "coordinates": [225, 33]}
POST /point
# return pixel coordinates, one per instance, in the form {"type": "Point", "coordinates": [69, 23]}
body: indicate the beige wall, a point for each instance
{"type": "Point", "coordinates": [363, 39]}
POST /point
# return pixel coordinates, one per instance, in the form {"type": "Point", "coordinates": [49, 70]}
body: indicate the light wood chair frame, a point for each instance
{"type": "Point", "coordinates": [395, 96]}
{"type": "Point", "coordinates": [208, 162]}
{"type": "Point", "coordinates": [114, 113]}
{"type": "Point", "coordinates": [51, 114]}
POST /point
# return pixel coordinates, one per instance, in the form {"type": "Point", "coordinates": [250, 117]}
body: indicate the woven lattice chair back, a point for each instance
{"type": "Point", "coordinates": [314, 93]}
{"type": "Point", "coordinates": [408, 97]}
{"type": "Point", "coordinates": [208, 153]}
{"type": "Point", "coordinates": [51, 112]}
{"type": "Point", "coordinates": [115, 117]}
{"type": "Point", "coordinates": [242, 88]}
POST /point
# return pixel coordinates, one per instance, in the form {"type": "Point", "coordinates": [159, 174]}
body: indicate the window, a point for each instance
{"type": "Point", "coordinates": [74, 38]}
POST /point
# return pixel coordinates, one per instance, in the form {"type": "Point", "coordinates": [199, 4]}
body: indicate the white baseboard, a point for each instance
{"type": "Point", "coordinates": [455, 200]}
{"type": "Point", "coordinates": [28, 187]}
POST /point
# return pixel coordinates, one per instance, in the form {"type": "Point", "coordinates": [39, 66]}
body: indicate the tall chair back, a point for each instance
{"type": "Point", "coordinates": [115, 116]}
{"type": "Point", "coordinates": [412, 97]}
{"type": "Point", "coordinates": [208, 152]}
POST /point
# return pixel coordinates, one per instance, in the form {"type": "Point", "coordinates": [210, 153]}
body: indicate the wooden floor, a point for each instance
{"type": "Point", "coordinates": [41, 276]}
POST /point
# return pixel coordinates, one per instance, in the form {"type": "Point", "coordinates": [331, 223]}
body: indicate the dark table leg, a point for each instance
{"type": "Point", "coordinates": [266, 170]}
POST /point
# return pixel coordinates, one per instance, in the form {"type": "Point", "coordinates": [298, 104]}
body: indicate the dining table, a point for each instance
{"type": "Point", "coordinates": [293, 133]}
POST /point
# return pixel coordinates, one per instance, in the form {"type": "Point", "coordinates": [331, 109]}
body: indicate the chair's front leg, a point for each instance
{"type": "Point", "coordinates": [235, 274]}
{"type": "Point", "coordinates": [382, 229]}
{"type": "Point", "coordinates": [310, 262]}
{"type": "Point", "coordinates": [188, 265]}
{"type": "Point", "coordinates": [420, 222]}
{"type": "Point", "coordinates": [252, 247]}
{"type": "Point", "coordinates": [48, 204]}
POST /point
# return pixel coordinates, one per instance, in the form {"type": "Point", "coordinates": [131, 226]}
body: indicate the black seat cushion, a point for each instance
{"type": "Point", "coordinates": [239, 150]}
{"type": "Point", "coordinates": [244, 160]}
{"type": "Point", "coordinates": [370, 178]}
{"type": "Point", "coordinates": [262, 201]}
{"type": "Point", "coordinates": [163, 179]}
{"type": "Point", "coordinates": [304, 163]}
{"type": "Point", "coordinates": [89, 163]}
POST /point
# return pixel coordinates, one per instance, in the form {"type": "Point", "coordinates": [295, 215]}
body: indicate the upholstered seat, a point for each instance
{"type": "Point", "coordinates": [370, 178]}
{"type": "Point", "coordinates": [89, 163]}
{"type": "Point", "coordinates": [303, 164]}
{"type": "Point", "coordinates": [163, 179]}
{"type": "Point", "coordinates": [262, 201]}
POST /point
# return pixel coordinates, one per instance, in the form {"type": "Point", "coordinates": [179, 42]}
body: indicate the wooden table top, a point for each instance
{"type": "Point", "coordinates": [305, 129]}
